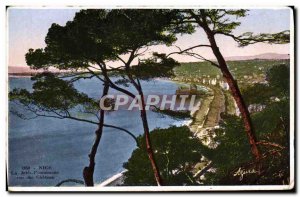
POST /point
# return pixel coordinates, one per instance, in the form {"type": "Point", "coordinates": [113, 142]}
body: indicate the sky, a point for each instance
{"type": "Point", "coordinates": [27, 28]}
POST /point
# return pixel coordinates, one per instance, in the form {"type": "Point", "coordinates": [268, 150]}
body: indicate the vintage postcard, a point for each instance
{"type": "Point", "coordinates": [150, 99]}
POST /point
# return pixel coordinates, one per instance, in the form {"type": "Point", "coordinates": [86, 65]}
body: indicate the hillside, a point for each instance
{"type": "Point", "coordinates": [264, 56]}
{"type": "Point", "coordinates": [241, 70]}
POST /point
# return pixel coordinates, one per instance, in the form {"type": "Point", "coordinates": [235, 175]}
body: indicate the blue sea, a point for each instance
{"type": "Point", "coordinates": [64, 145]}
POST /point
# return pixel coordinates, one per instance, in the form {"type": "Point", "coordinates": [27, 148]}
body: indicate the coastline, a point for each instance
{"type": "Point", "coordinates": [181, 122]}
{"type": "Point", "coordinates": [19, 76]}
{"type": "Point", "coordinates": [118, 178]}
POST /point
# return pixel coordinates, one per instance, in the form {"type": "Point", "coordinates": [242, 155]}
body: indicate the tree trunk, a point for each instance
{"type": "Point", "coordinates": [148, 141]}
{"type": "Point", "coordinates": [88, 171]}
{"type": "Point", "coordinates": [143, 116]}
{"type": "Point", "coordinates": [233, 86]}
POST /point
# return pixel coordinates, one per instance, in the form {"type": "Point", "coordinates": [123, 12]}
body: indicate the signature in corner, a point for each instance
{"type": "Point", "coordinates": [241, 172]}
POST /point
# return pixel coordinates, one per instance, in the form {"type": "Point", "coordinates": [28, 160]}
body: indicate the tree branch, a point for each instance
{"type": "Point", "coordinates": [126, 131]}
{"type": "Point", "coordinates": [95, 74]}
{"type": "Point", "coordinates": [118, 57]}
{"type": "Point", "coordinates": [195, 55]}
{"type": "Point", "coordinates": [111, 83]}
{"type": "Point", "coordinates": [141, 53]}
{"type": "Point", "coordinates": [185, 50]}
{"type": "Point", "coordinates": [248, 38]}
{"type": "Point", "coordinates": [59, 116]}
{"type": "Point", "coordinates": [270, 144]}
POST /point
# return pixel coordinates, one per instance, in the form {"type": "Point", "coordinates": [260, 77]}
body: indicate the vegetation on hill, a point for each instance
{"type": "Point", "coordinates": [231, 162]}
{"type": "Point", "coordinates": [176, 152]}
{"type": "Point", "coordinates": [96, 37]}
{"type": "Point", "coordinates": [272, 127]}
{"type": "Point", "coordinates": [255, 69]}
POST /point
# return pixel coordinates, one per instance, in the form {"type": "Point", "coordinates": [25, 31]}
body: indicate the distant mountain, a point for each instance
{"type": "Point", "coordinates": [264, 56]}
{"type": "Point", "coordinates": [21, 69]}
{"type": "Point", "coordinates": [25, 70]}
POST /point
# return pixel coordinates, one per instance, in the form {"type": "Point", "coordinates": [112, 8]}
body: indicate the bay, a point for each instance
{"type": "Point", "coordinates": [65, 144]}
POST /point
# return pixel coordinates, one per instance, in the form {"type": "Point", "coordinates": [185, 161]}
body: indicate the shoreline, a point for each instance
{"type": "Point", "coordinates": [117, 178]}
{"type": "Point", "coordinates": [178, 123]}
{"type": "Point", "coordinates": [174, 122]}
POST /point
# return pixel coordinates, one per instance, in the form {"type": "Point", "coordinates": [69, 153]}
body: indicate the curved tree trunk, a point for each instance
{"type": "Point", "coordinates": [88, 171]}
{"type": "Point", "coordinates": [149, 149]}
{"type": "Point", "coordinates": [148, 141]}
{"type": "Point", "coordinates": [143, 116]}
{"type": "Point", "coordinates": [233, 86]}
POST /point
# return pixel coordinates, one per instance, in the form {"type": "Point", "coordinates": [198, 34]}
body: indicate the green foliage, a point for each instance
{"type": "Point", "coordinates": [176, 152]}
{"type": "Point", "coordinates": [156, 66]}
{"type": "Point", "coordinates": [93, 37]}
{"type": "Point", "coordinates": [257, 94]}
{"type": "Point", "coordinates": [271, 126]}
{"type": "Point", "coordinates": [37, 57]}
{"type": "Point", "coordinates": [50, 94]}
{"type": "Point", "coordinates": [279, 78]}
{"type": "Point", "coordinates": [254, 68]}
{"type": "Point", "coordinates": [133, 28]}
{"type": "Point", "coordinates": [222, 20]}
{"type": "Point", "coordinates": [273, 121]}
{"type": "Point", "coordinates": [276, 168]}
{"type": "Point", "coordinates": [196, 69]}
{"type": "Point", "coordinates": [239, 69]}
{"type": "Point", "coordinates": [97, 35]}
{"type": "Point", "coordinates": [248, 38]}
{"type": "Point", "coordinates": [233, 149]}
